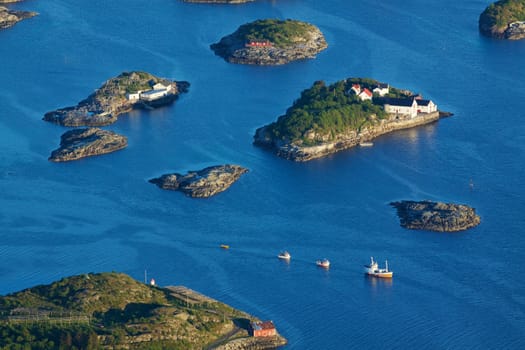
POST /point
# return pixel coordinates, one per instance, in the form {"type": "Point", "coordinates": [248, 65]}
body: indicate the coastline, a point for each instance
{"type": "Point", "coordinates": [343, 141]}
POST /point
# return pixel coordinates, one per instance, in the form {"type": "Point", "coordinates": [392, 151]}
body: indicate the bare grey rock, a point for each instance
{"type": "Point", "coordinates": [436, 216]}
{"type": "Point", "coordinates": [203, 183]}
{"type": "Point", "coordinates": [80, 143]}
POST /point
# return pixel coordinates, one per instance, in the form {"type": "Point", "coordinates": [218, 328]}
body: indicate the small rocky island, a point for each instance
{"type": "Point", "coordinates": [203, 183]}
{"type": "Point", "coordinates": [327, 119]}
{"type": "Point", "coordinates": [81, 143]}
{"type": "Point", "coordinates": [9, 18]}
{"type": "Point", "coordinates": [436, 216]}
{"type": "Point", "coordinates": [114, 311]}
{"type": "Point", "coordinates": [504, 19]}
{"type": "Point", "coordinates": [271, 42]}
{"type": "Point", "coordinates": [119, 95]}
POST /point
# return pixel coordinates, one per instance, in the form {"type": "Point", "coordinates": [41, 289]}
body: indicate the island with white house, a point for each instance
{"type": "Point", "coordinates": [330, 118]}
{"type": "Point", "coordinates": [119, 95]}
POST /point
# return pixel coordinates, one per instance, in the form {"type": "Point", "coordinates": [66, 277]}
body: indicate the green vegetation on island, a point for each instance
{"type": "Point", "coordinates": [497, 18]}
{"type": "Point", "coordinates": [112, 310]}
{"type": "Point", "coordinates": [281, 33]}
{"type": "Point", "coordinates": [322, 112]}
{"type": "Point", "coordinates": [271, 42]}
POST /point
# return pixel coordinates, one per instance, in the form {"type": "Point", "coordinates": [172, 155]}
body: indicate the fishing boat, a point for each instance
{"type": "Point", "coordinates": [366, 144]}
{"type": "Point", "coordinates": [374, 270]}
{"type": "Point", "coordinates": [284, 255]}
{"type": "Point", "coordinates": [225, 246]}
{"type": "Point", "coordinates": [323, 263]}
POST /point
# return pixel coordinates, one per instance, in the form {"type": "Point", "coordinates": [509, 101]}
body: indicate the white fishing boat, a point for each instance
{"type": "Point", "coordinates": [323, 263]}
{"type": "Point", "coordinates": [284, 255]}
{"type": "Point", "coordinates": [374, 270]}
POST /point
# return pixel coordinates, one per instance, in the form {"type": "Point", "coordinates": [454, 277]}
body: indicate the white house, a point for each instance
{"type": "Point", "coordinates": [356, 88]}
{"type": "Point", "coordinates": [365, 95]}
{"type": "Point", "coordinates": [160, 86]}
{"type": "Point", "coordinates": [133, 96]}
{"type": "Point", "coordinates": [381, 89]}
{"type": "Point", "coordinates": [152, 95]}
{"type": "Point", "coordinates": [425, 106]}
{"type": "Point", "coordinates": [404, 106]}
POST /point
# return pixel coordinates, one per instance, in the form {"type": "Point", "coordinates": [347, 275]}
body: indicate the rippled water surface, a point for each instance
{"type": "Point", "coordinates": [456, 291]}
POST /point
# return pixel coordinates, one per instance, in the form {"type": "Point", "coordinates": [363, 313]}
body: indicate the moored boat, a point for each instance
{"type": "Point", "coordinates": [284, 255]}
{"type": "Point", "coordinates": [225, 246]}
{"type": "Point", "coordinates": [323, 263]}
{"type": "Point", "coordinates": [374, 270]}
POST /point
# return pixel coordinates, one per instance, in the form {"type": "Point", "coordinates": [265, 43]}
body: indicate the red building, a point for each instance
{"type": "Point", "coordinates": [258, 43]}
{"type": "Point", "coordinates": [263, 329]}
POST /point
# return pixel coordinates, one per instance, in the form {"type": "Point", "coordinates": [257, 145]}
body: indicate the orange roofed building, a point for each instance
{"type": "Point", "coordinates": [263, 329]}
{"type": "Point", "coordinates": [258, 43]}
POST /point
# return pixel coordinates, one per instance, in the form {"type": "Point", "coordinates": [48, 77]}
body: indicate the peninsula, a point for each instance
{"type": "Point", "coordinates": [326, 119]}
{"type": "Point", "coordinates": [271, 42]}
{"type": "Point", "coordinates": [203, 183]}
{"type": "Point", "coordinates": [81, 143]}
{"type": "Point", "coordinates": [114, 311]}
{"type": "Point", "coordinates": [9, 18]}
{"type": "Point", "coordinates": [436, 216]}
{"type": "Point", "coordinates": [119, 95]}
{"type": "Point", "coordinates": [504, 19]}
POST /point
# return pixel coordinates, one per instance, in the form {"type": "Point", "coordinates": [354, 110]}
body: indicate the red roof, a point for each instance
{"type": "Point", "coordinates": [263, 325]}
{"type": "Point", "coordinates": [366, 91]}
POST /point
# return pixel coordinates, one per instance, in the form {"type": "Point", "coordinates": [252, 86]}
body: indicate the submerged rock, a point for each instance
{"type": "Point", "coordinates": [203, 183]}
{"type": "Point", "coordinates": [436, 216]}
{"type": "Point", "coordinates": [80, 143]}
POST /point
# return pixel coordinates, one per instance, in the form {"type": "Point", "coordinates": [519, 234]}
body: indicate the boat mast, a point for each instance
{"type": "Point", "coordinates": [386, 265]}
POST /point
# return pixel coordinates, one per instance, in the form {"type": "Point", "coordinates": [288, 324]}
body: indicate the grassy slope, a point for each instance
{"type": "Point", "coordinates": [281, 33]}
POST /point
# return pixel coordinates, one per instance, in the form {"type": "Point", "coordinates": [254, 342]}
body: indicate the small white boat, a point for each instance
{"type": "Point", "coordinates": [366, 144]}
{"type": "Point", "coordinates": [374, 270]}
{"type": "Point", "coordinates": [284, 255]}
{"type": "Point", "coordinates": [323, 263]}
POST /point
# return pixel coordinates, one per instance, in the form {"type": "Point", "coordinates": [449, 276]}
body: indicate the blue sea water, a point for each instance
{"type": "Point", "coordinates": [454, 291]}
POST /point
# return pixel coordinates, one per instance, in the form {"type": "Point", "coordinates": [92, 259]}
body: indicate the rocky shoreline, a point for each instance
{"type": "Point", "coordinates": [504, 19]}
{"type": "Point", "coordinates": [235, 48]}
{"type": "Point", "coordinates": [251, 343]}
{"type": "Point", "coordinates": [81, 143]}
{"type": "Point", "coordinates": [9, 18]}
{"type": "Point", "coordinates": [436, 216]}
{"type": "Point", "coordinates": [203, 183]}
{"type": "Point", "coordinates": [342, 141]}
{"type": "Point", "coordinates": [113, 99]}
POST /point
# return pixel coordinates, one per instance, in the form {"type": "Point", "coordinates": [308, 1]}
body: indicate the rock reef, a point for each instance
{"type": "Point", "coordinates": [9, 18]}
{"type": "Point", "coordinates": [271, 42]}
{"type": "Point", "coordinates": [436, 216]}
{"type": "Point", "coordinates": [81, 143]}
{"type": "Point", "coordinates": [203, 183]}
{"type": "Point", "coordinates": [119, 95]}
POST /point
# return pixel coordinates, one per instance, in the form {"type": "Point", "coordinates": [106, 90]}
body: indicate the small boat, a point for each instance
{"type": "Point", "coordinates": [284, 255]}
{"type": "Point", "coordinates": [374, 270]}
{"type": "Point", "coordinates": [366, 144]}
{"type": "Point", "coordinates": [323, 263]}
{"type": "Point", "coordinates": [225, 246]}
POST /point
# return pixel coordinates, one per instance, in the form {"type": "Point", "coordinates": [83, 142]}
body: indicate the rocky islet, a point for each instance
{"type": "Point", "coordinates": [203, 183]}
{"type": "Point", "coordinates": [436, 216]}
{"type": "Point", "coordinates": [81, 143]}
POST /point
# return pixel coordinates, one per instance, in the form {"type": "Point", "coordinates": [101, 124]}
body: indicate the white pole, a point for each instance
{"type": "Point", "coordinates": [386, 263]}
